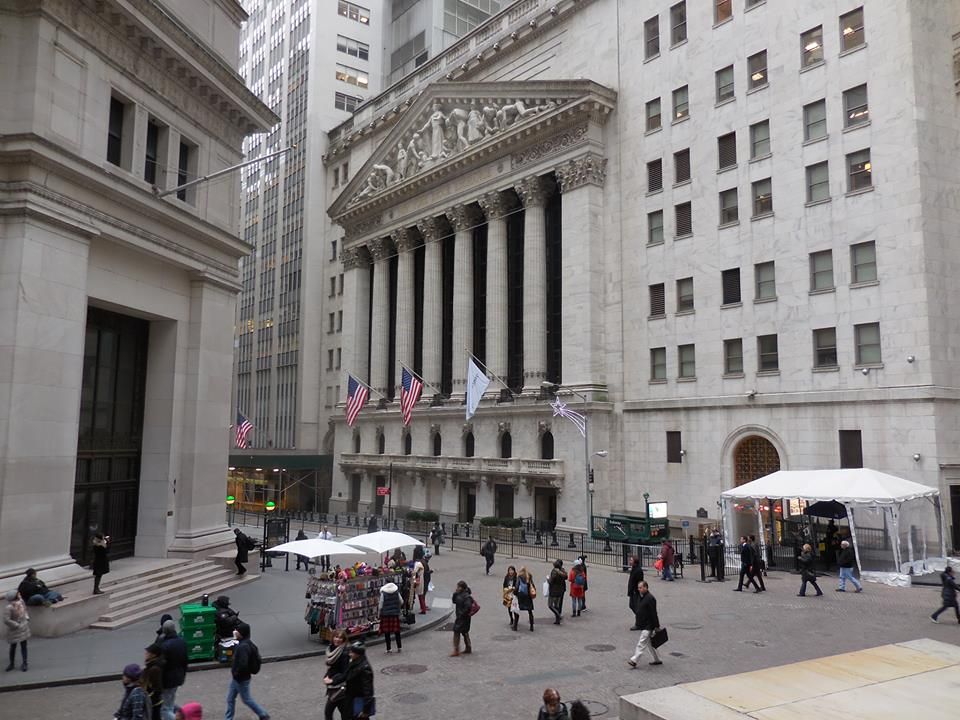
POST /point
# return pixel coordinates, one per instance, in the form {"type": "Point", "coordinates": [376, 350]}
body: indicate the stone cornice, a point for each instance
{"type": "Point", "coordinates": [588, 169]}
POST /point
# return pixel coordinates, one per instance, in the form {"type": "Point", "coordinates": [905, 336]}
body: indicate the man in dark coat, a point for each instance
{"type": "Point", "coordinates": [948, 593]}
{"type": "Point", "coordinates": [713, 550]}
{"type": "Point", "coordinates": [244, 545]}
{"type": "Point", "coordinates": [462, 603]}
{"type": "Point", "coordinates": [747, 561]}
{"type": "Point", "coordinates": [488, 552]}
{"type": "Point", "coordinates": [246, 664]}
{"type": "Point", "coordinates": [758, 562]}
{"type": "Point", "coordinates": [846, 560]}
{"type": "Point", "coordinates": [359, 682]}
{"type": "Point", "coordinates": [152, 679]}
{"type": "Point", "coordinates": [173, 649]}
{"type": "Point", "coordinates": [648, 622]}
{"type": "Point", "coordinates": [636, 575]}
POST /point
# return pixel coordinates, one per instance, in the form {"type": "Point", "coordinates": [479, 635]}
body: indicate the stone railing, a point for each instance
{"type": "Point", "coordinates": [513, 467]}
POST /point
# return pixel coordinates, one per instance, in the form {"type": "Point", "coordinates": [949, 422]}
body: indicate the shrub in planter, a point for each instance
{"type": "Point", "coordinates": [489, 521]}
{"type": "Point", "coordinates": [510, 522]}
{"type": "Point", "coordinates": [429, 516]}
{"type": "Point", "coordinates": [414, 515]}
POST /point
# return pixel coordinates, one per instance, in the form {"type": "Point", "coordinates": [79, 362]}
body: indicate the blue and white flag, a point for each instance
{"type": "Point", "coordinates": [579, 421]}
{"type": "Point", "coordinates": [477, 384]}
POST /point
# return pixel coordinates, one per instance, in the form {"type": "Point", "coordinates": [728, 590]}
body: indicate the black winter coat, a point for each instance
{"type": "Point", "coordinates": [174, 662]}
{"type": "Point", "coordinates": [359, 679]}
{"type": "Point", "coordinates": [462, 602]}
{"type": "Point", "coordinates": [242, 655]}
{"type": "Point", "coordinates": [747, 557]}
{"type": "Point", "coordinates": [806, 567]}
{"type": "Point", "coordinates": [244, 545]}
{"type": "Point", "coordinates": [646, 611]}
{"type": "Point", "coordinates": [949, 590]}
{"type": "Point", "coordinates": [636, 575]}
{"type": "Point", "coordinates": [847, 558]}
{"type": "Point", "coordinates": [557, 582]}
{"type": "Point", "coordinates": [101, 563]}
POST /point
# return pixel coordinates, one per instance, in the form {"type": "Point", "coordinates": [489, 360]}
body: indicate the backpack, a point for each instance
{"type": "Point", "coordinates": [255, 661]}
{"type": "Point", "coordinates": [522, 588]}
{"type": "Point", "coordinates": [250, 543]}
{"type": "Point", "coordinates": [579, 579]}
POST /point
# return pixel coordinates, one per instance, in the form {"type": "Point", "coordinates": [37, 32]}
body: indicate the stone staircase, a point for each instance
{"type": "Point", "coordinates": [153, 592]}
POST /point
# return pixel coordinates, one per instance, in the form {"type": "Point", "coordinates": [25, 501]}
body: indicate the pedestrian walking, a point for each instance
{"type": "Point", "coordinates": [173, 650]}
{"type": "Point", "coordinates": [245, 544]}
{"type": "Point", "coordinates": [714, 539]}
{"type": "Point", "coordinates": [807, 572]}
{"type": "Point", "coordinates": [526, 592]}
{"type": "Point", "coordinates": [948, 593]}
{"type": "Point", "coordinates": [34, 591]}
{"type": "Point", "coordinates": [16, 624]}
{"type": "Point", "coordinates": [101, 563]}
{"type": "Point", "coordinates": [488, 551]}
{"type": "Point", "coordinates": [359, 683]}
{"type": "Point", "coordinates": [194, 711]}
{"type": "Point", "coordinates": [648, 622]}
{"type": "Point", "coordinates": [246, 663]}
{"type": "Point", "coordinates": [846, 560]}
{"type": "Point", "coordinates": [463, 605]}
{"type": "Point", "coordinates": [436, 537]}
{"type": "Point", "coordinates": [557, 587]}
{"type": "Point", "coordinates": [746, 566]}
{"type": "Point", "coordinates": [552, 708]}
{"type": "Point", "coordinates": [337, 660]}
{"type": "Point", "coordinates": [134, 705]}
{"type": "Point", "coordinates": [325, 534]}
{"type": "Point", "coordinates": [510, 597]}
{"type": "Point", "coordinates": [390, 615]}
{"type": "Point", "coordinates": [586, 581]}
{"type": "Point", "coordinates": [636, 575]}
{"type": "Point", "coordinates": [577, 583]}
{"type": "Point", "coordinates": [759, 564]}
{"type": "Point", "coordinates": [152, 679]}
{"type": "Point", "coordinates": [420, 584]}
{"type": "Point", "coordinates": [301, 535]}
{"type": "Point", "coordinates": [667, 556]}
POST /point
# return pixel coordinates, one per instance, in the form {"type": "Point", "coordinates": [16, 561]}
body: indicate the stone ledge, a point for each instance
{"type": "Point", "coordinates": [673, 703]}
{"type": "Point", "coordinates": [71, 614]}
{"type": "Point", "coordinates": [225, 559]}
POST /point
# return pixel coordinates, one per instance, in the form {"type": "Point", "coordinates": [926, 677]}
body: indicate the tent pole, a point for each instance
{"type": "Point", "coordinates": [895, 522]}
{"type": "Point", "coordinates": [853, 536]}
{"type": "Point", "coordinates": [938, 508]}
{"type": "Point", "coordinates": [762, 536]}
{"type": "Point", "coordinates": [725, 529]}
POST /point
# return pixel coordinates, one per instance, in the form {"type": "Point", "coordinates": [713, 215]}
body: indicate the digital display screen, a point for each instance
{"type": "Point", "coordinates": [657, 510]}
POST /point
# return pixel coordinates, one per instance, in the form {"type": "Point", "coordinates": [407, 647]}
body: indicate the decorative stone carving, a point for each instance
{"type": "Point", "coordinates": [431, 228]}
{"type": "Point", "coordinates": [503, 427]}
{"type": "Point", "coordinates": [551, 146]}
{"type": "Point", "coordinates": [544, 426]}
{"type": "Point", "coordinates": [467, 428]}
{"type": "Point", "coordinates": [404, 239]}
{"type": "Point", "coordinates": [590, 169]}
{"type": "Point", "coordinates": [359, 229]}
{"type": "Point", "coordinates": [463, 217]}
{"type": "Point", "coordinates": [381, 248]}
{"type": "Point", "coordinates": [534, 190]}
{"type": "Point", "coordinates": [494, 205]}
{"type": "Point", "coordinates": [434, 429]}
{"type": "Point", "coordinates": [354, 258]}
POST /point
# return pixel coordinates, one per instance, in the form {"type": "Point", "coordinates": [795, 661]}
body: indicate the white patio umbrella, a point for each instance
{"type": "Point", "coordinates": [382, 540]}
{"type": "Point", "coordinates": [315, 547]}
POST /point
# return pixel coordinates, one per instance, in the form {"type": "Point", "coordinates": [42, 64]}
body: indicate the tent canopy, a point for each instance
{"type": "Point", "coordinates": [860, 486]}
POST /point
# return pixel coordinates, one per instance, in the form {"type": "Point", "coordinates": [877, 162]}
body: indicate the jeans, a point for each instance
{"type": "Point", "coordinates": [51, 596]}
{"type": "Point", "coordinates": [847, 574]}
{"type": "Point", "coordinates": [489, 559]}
{"type": "Point", "coordinates": [555, 605]}
{"type": "Point", "coordinates": [13, 653]}
{"type": "Point", "coordinates": [242, 688]}
{"type": "Point", "coordinates": [668, 571]}
{"type": "Point", "coordinates": [803, 586]}
{"type": "Point", "coordinates": [169, 703]}
{"type": "Point", "coordinates": [576, 604]}
{"type": "Point", "coordinates": [643, 644]}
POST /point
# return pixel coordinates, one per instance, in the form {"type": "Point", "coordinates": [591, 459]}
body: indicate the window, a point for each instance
{"type": "Point", "coordinates": [354, 12]}
{"type": "Point", "coordinates": [438, 445]}
{"type": "Point", "coordinates": [654, 176]}
{"type": "Point", "coordinates": [868, 343]}
{"type": "Point", "coordinates": [468, 443]}
{"type": "Point", "coordinates": [678, 23]}
{"type": "Point", "coordinates": [681, 166]}
{"type": "Point", "coordinates": [653, 115]}
{"type": "Point", "coordinates": [546, 446]}
{"type": "Point", "coordinates": [674, 447]}
{"type": "Point", "coordinates": [821, 270]}
{"type": "Point", "coordinates": [722, 10]}
{"type": "Point", "coordinates": [658, 306]}
{"type": "Point", "coordinates": [339, 357]}
{"type": "Point", "coordinates": [727, 151]}
{"type": "Point", "coordinates": [851, 30]}
{"type": "Point", "coordinates": [353, 48]}
{"type": "Point", "coordinates": [350, 75]}
{"type": "Point", "coordinates": [340, 284]}
{"type": "Point", "coordinates": [330, 359]}
{"type": "Point", "coordinates": [681, 103]}
{"type": "Point", "coordinates": [506, 445]}
{"type": "Point", "coordinates": [859, 171]}
{"type": "Point", "coordinates": [686, 361]}
{"type": "Point", "coordinates": [863, 262]}
{"type": "Point", "coordinates": [342, 101]}
{"type": "Point", "coordinates": [331, 319]}
{"type": "Point", "coordinates": [356, 442]}
{"type": "Point", "coordinates": [818, 186]}
{"type": "Point", "coordinates": [333, 250]}
{"type": "Point", "coordinates": [760, 139]}
{"type": "Point", "coordinates": [725, 84]}
{"type": "Point", "coordinates": [155, 151]}
{"type": "Point", "coordinates": [651, 37]}
{"type": "Point", "coordinates": [811, 47]}
{"type": "Point", "coordinates": [768, 359]}
{"type": "Point", "coordinates": [118, 133]}
{"type": "Point", "coordinates": [381, 443]}
{"type": "Point", "coordinates": [658, 363]}
{"type": "Point", "coordinates": [730, 284]}
{"type": "Point", "coordinates": [851, 449]}
{"type": "Point", "coordinates": [683, 217]}
{"type": "Point", "coordinates": [815, 120]}
{"type": "Point", "coordinates": [753, 3]}
{"type": "Point", "coordinates": [345, 172]}
{"type": "Point", "coordinates": [733, 357]}
{"type": "Point", "coordinates": [187, 170]}
{"type": "Point", "coordinates": [855, 108]}
{"type": "Point", "coordinates": [762, 197]}
{"type": "Point", "coordinates": [765, 281]}
{"type": "Point", "coordinates": [333, 286]}
{"type": "Point", "coordinates": [339, 320]}
{"type": "Point", "coordinates": [825, 348]}
{"type": "Point", "coordinates": [757, 70]}
{"type": "Point", "coordinates": [336, 178]}
{"type": "Point", "coordinates": [729, 213]}
{"type": "Point", "coordinates": [655, 227]}
{"type": "Point", "coordinates": [407, 443]}
{"type": "Point", "coordinates": [685, 295]}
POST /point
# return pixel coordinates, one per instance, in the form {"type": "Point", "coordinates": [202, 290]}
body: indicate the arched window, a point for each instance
{"type": "Point", "coordinates": [506, 445]}
{"type": "Point", "coordinates": [437, 444]}
{"type": "Point", "coordinates": [546, 446]}
{"type": "Point", "coordinates": [468, 445]}
{"type": "Point", "coordinates": [356, 442]}
{"type": "Point", "coordinates": [381, 443]}
{"type": "Point", "coordinates": [407, 444]}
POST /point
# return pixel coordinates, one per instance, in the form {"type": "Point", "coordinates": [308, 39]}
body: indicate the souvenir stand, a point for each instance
{"type": "Point", "coordinates": [350, 601]}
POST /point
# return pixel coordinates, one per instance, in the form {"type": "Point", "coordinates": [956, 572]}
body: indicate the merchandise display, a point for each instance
{"type": "Point", "coordinates": [347, 598]}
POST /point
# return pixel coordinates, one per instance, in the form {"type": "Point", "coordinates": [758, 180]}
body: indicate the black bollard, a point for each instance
{"type": "Point", "coordinates": [553, 539]}
{"type": "Point", "coordinates": [539, 540]}
{"type": "Point", "coordinates": [523, 536]}
{"type": "Point", "coordinates": [571, 545]}
{"type": "Point", "coordinates": [456, 530]}
{"type": "Point", "coordinates": [606, 545]}
{"type": "Point", "coordinates": [335, 520]}
{"type": "Point", "coordinates": [395, 524]}
{"type": "Point", "coordinates": [466, 530]}
{"type": "Point", "coordinates": [703, 564]}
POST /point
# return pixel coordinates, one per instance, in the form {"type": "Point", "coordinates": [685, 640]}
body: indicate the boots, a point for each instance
{"type": "Point", "coordinates": [468, 648]}
{"type": "Point", "coordinates": [456, 647]}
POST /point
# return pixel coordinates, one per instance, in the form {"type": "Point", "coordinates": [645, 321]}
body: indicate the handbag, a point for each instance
{"type": "Point", "coordinates": [658, 564]}
{"type": "Point", "coordinates": [533, 590]}
{"type": "Point", "coordinates": [367, 706]}
{"type": "Point", "coordinates": [335, 693]}
{"type": "Point", "coordinates": [659, 637]}
{"type": "Point", "coordinates": [474, 607]}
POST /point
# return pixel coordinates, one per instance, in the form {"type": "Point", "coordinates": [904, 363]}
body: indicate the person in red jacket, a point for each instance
{"type": "Point", "coordinates": [667, 555]}
{"type": "Point", "coordinates": [578, 584]}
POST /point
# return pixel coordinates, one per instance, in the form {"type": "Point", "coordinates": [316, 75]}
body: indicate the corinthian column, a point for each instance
{"type": "Point", "coordinates": [381, 250]}
{"type": "Point", "coordinates": [463, 218]}
{"type": "Point", "coordinates": [432, 229]}
{"type": "Point", "coordinates": [404, 239]}
{"type": "Point", "coordinates": [533, 192]}
{"type": "Point", "coordinates": [356, 321]}
{"type": "Point", "coordinates": [495, 207]}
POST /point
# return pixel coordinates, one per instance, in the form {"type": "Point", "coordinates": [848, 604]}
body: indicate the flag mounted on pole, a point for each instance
{"type": "Point", "coordinates": [356, 398]}
{"type": "Point", "coordinates": [410, 388]}
{"type": "Point", "coordinates": [243, 428]}
{"type": "Point", "coordinates": [477, 383]}
{"type": "Point", "coordinates": [578, 420]}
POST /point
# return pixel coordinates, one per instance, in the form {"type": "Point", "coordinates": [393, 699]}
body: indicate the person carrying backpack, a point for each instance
{"type": "Point", "coordinates": [245, 544]}
{"type": "Point", "coordinates": [578, 584]}
{"type": "Point", "coordinates": [246, 664]}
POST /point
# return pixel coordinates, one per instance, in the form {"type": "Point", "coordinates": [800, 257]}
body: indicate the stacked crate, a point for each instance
{"type": "Point", "coordinates": [198, 626]}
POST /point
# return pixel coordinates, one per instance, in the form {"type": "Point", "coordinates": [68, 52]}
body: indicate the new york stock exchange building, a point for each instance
{"type": "Point", "coordinates": [631, 212]}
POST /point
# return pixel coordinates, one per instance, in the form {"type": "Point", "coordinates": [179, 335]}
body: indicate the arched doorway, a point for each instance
{"type": "Point", "coordinates": [754, 457]}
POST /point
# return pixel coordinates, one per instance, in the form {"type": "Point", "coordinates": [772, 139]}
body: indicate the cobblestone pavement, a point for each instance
{"type": "Point", "coordinates": [713, 632]}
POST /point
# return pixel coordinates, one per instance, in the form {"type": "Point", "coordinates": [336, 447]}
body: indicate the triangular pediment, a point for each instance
{"type": "Point", "coordinates": [451, 125]}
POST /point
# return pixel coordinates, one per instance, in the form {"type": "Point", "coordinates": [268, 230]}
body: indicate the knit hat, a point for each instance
{"type": "Point", "coordinates": [132, 671]}
{"type": "Point", "coordinates": [577, 563]}
{"type": "Point", "coordinates": [192, 711]}
{"type": "Point", "coordinates": [389, 588]}
{"type": "Point", "coordinates": [11, 595]}
{"type": "Point", "coordinates": [169, 629]}
{"type": "Point", "coordinates": [357, 647]}
{"type": "Point", "coordinates": [243, 629]}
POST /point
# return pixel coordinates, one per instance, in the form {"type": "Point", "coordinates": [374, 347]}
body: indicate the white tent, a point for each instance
{"type": "Point", "coordinates": [855, 488]}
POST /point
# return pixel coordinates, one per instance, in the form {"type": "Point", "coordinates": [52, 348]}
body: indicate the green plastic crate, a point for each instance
{"type": "Point", "coordinates": [192, 615]}
{"type": "Point", "coordinates": [201, 633]}
{"type": "Point", "coordinates": [202, 650]}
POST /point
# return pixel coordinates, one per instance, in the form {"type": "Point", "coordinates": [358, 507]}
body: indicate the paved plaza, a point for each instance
{"type": "Point", "coordinates": [713, 631]}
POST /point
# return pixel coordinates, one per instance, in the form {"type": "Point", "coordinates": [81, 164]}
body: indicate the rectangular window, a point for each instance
{"type": "Point", "coordinates": [855, 108]}
{"type": "Point", "coordinates": [818, 183]}
{"type": "Point", "coordinates": [339, 357]}
{"type": "Point", "coordinates": [340, 284]}
{"type": "Point", "coordinates": [653, 115]}
{"type": "Point", "coordinates": [151, 159]}
{"type": "Point", "coordinates": [678, 23]}
{"type": "Point", "coordinates": [658, 305]}
{"type": "Point", "coordinates": [851, 449]}
{"type": "Point", "coordinates": [118, 132]}
{"type": "Point", "coordinates": [729, 212]}
{"type": "Point", "coordinates": [765, 281]}
{"type": "Point", "coordinates": [730, 285]}
{"type": "Point", "coordinates": [655, 227]}
{"type": "Point", "coordinates": [352, 76]}
{"type": "Point", "coordinates": [336, 177]}
{"type": "Point", "coordinates": [339, 320]}
{"type": "Point", "coordinates": [330, 359]}
{"type": "Point", "coordinates": [658, 363]}
{"type": "Point", "coordinates": [762, 197]}
{"type": "Point", "coordinates": [187, 170]}
{"type": "Point", "coordinates": [683, 218]}
{"type": "Point", "coordinates": [811, 47]}
{"type": "Point", "coordinates": [727, 151]}
{"type": "Point", "coordinates": [686, 361]}
{"type": "Point", "coordinates": [685, 294]}
{"type": "Point", "coordinates": [353, 48]}
{"type": "Point", "coordinates": [333, 249]}
{"type": "Point", "coordinates": [681, 103]}
{"type": "Point", "coordinates": [868, 344]}
{"type": "Point", "coordinates": [722, 10]}
{"type": "Point", "coordinates": [757, 70]}
{"type": "Point", "coordinates": [654, 176]}
{"type": "Point", "coordinates": [825, 348]}
{"type": "Point", "coordinates": [674, 449]}
{"type": "Point", "coordinates": [349, 103]}
{"type": "Point", "coordinates": [768, 357]}
{"type": "Point", "coordinates": [859, 171]}
{"type": "Point", "coordinates": [821, 270]}
{"type": "Point", "coordinates": [345, 172]}
{"type": "Point", "coordinates": [725, 84]}
{"type": "Point", "coordinates": [760, 139]}
{"type": "Point", "coordinates": [851, 30]}
{"type": "Point", "coordinates": [354, 12]}
{"type": "Point", "coordinates": [733, 356]}
{"type": "Point", "coordinates": [863, 262]}
{"type": "Point", "coordinates": [331, 319]}
{"type": "Point", "coordinates": [681, 166]}
{"type": "Point", "coordinates": [651, 37]}
{"type": "Point", "coordinates": [815, 120]}
{"type": "Point", "coordinates": [333, 286]}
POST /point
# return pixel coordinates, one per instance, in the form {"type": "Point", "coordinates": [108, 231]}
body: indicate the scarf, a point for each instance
{"type": "Point", "coordinates": [18, 610]}
{"type": "Point", "coordinates": [333, 655]}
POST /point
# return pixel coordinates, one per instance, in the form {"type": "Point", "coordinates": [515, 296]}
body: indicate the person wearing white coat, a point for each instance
{"type": "Point", "coordinates": [16, 623]}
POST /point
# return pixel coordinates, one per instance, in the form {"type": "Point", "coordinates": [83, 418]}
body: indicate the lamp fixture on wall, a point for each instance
{"type": "Point", "coordinates": [683, 453]}
{"type": "Point", "coordinates": [916, 457]}
{"type": "Point", "coordinates": [910, 358]}
{"type": "Point", "coordinates": [865, 371]}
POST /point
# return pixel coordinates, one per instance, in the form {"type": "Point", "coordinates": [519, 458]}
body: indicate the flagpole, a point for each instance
{"type": "Point", "coordinates": [487, 370]}
{"type": "Point", "coordinates": [422, 381]}
{"type": "Point", "coordinates": [350, 374]}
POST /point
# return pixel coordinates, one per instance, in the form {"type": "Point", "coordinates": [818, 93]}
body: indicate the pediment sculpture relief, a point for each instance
{"type": "Point", "coordinates": [448, 130]}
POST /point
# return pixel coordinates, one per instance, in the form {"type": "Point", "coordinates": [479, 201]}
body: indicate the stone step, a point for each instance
{"type": "Point", "coordinates": [111, 582]}
{"type": "Point", "coordinates": [194, 573]}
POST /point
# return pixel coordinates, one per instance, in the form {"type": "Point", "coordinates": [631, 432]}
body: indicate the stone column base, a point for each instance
{"type": "Point", "coordinates": [201, 543]}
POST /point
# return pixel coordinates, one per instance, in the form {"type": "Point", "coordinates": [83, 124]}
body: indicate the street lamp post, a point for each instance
{"type": "Point", "coordinates": [230, 511]}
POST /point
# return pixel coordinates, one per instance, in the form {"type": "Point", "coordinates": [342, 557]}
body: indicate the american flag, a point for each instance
{"type": "Point", "coordinates": [356, 398]}
{"type": "Point", "coordinates": [243, 428]}
{"type": "Point", "coordinates": [410, 388]}
{"type": "Point", "coordinates": [560, 408]}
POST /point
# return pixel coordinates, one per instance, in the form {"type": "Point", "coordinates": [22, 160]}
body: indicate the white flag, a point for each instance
{"type": "Point", "coordinates": [477, 383]}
